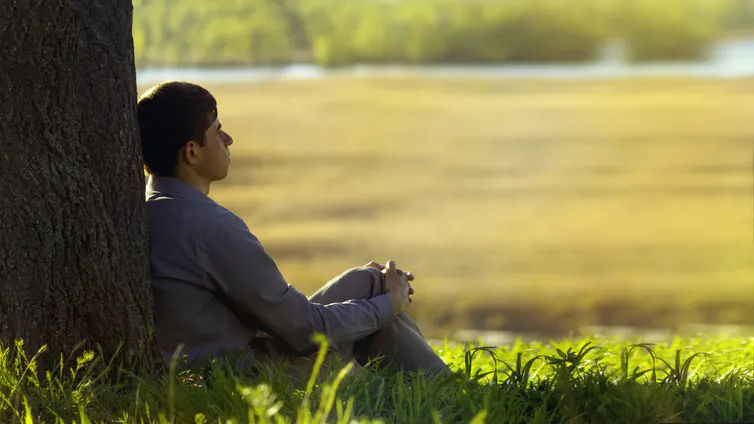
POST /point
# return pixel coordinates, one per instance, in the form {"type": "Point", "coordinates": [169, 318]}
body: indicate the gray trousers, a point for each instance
{"type": "Point", "coordinates": [400, 344]}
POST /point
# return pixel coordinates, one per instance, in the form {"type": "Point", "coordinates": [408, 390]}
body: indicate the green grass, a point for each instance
{"type": "Point", "coordinates": [592, 380]}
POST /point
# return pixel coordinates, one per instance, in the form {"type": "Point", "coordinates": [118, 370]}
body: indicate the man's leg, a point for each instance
{"type": "Point", "coordinates": [401, 343]}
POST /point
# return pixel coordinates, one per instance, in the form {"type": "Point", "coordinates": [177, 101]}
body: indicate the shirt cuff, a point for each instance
{"type": "Point", "coordinates": [385, 309]}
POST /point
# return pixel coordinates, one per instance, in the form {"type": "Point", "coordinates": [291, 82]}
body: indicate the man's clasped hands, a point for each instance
{"type": "Point", "coordinates": [397, 285]}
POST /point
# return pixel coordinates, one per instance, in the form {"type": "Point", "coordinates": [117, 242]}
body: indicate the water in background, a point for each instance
{"type": "Point", "coordinates": [729, 59]}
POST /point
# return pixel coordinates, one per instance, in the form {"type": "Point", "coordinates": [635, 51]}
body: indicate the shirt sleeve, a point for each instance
{"type": "Point", "coordinates": [252, 284]}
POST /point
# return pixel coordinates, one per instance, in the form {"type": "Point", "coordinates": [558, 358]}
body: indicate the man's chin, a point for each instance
{"type": "Point", "coordinates": [220, 177]}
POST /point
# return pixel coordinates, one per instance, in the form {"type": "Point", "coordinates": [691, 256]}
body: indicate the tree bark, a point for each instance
{"type": "Point", "coordinates": [73, 247]}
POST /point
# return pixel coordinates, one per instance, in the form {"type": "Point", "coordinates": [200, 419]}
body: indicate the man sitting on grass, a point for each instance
{"type": "Point", "coordinates": [217, 291]}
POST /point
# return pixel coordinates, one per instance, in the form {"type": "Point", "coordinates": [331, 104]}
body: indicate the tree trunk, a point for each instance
{"type": "Point", "coordinates": [73, 258]}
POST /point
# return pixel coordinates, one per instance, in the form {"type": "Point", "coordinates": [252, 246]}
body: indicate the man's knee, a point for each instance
{"type": "Point", "coordinates": [374, 271]}
{"type": "Point", "coordinates": [373, 275]}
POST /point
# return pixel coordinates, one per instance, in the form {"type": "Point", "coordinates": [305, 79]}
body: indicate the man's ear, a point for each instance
{"type": "Point", "coordinates": [190, 152]}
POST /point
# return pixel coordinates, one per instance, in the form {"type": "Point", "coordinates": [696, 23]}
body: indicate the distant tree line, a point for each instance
{"type": "Point", "coordinates": [740, 16]}
{"type": "Point", "coordinates": [341, 32]}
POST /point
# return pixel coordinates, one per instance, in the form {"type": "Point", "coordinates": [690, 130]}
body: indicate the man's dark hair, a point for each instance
{"type": "Point", "coordinates": [170, 115]}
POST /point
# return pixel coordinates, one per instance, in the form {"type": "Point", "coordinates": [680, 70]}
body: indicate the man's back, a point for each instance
{"type": "Point", "coordinates": [188, 306]}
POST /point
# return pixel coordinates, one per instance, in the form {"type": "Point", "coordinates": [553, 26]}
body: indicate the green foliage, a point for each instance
{"type": "Point", "coordinates": [584, 380]}
{"type": "Point", "coordinates": [169, 32]}
{"type": "Point", "coordinates": [341, 32]}
{"type": "Point", "coordinates": [661, 30]}
{"type": "Point", "coordinates": [739, 15]}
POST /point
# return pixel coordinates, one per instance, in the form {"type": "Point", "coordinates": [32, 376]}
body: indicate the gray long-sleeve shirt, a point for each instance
{"type": "Point", "coordinates": [215, 286]}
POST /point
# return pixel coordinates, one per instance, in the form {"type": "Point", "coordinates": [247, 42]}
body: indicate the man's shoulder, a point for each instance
{"type": "Point", "coordinates": [207, 218]}
{"type": "Point", "coordinates": [218, 221]}
{"type": "Point", "coordinates": [223, 228]}
{"type": "Point", "coordinates": [223, 218]}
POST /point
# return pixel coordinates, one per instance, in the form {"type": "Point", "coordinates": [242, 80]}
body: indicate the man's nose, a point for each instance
{"type": "Point", "coordinates": [227, 139]}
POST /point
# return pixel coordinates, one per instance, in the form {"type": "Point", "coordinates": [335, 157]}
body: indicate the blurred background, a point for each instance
{"type": "Point", "coordinates": [543, 167]}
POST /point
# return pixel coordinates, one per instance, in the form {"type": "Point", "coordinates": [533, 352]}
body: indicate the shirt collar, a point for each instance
{"type": "Point", "coordinates": [173, 187]}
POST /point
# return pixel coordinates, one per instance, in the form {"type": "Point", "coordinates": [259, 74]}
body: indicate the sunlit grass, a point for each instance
{"type": "Point", "coordinates": [589, 380]}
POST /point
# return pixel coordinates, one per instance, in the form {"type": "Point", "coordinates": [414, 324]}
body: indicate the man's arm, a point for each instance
{"type": "Point", "coordinates": [249, 279]}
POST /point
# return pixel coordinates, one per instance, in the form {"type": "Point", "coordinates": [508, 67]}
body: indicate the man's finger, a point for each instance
{"type": "Point", "coordinates": [401, 272]}
{"type": "Point", "coordinates": [390, 266]}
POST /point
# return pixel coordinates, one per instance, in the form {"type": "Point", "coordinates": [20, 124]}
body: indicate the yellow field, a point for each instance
{"type": "Point", "coordinates": [568, 197]}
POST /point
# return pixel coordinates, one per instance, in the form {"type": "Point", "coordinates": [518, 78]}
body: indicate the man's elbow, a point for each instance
{"type": "Point", "coordinates": [302, 343]}
{"type": "Point", "coordinates": [299, 334]}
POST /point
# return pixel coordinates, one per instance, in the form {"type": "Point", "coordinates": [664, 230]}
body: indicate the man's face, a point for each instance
{"type": "Point", "coordinates": [215, 153]}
